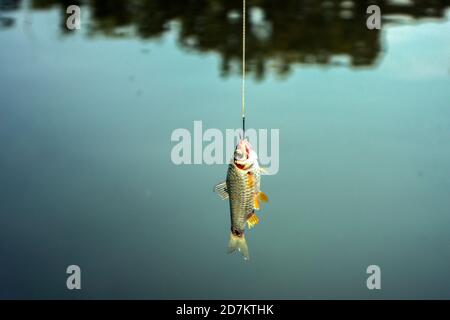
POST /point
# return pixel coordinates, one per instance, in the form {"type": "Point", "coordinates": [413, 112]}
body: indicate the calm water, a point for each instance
{"type": "Point", "coordinates": [86, 176]}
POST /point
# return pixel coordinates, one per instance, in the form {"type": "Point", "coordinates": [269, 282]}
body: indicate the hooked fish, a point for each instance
{"type": "Point", "coordinates": [242, 188]}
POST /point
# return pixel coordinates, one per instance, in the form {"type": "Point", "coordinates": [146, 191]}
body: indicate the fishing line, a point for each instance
{"type": "Point", "coordinates": [243, 66]}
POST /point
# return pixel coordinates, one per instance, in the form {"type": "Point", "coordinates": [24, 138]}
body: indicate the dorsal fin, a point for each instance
{"type": "Point", "coordinates": [221, 190]}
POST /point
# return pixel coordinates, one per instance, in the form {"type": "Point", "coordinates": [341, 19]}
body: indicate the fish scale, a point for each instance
{"type": "Point", "coordinates": [241, 194]}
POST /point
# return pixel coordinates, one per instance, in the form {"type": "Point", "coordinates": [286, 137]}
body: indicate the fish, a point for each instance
{"type": "Point", "coordinates": [242, 188]}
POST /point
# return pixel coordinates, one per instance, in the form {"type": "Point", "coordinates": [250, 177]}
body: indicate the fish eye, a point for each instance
{"type": "Point", "coordinates": [238, 154]}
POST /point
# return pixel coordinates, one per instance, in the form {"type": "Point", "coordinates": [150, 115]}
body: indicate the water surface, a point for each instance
{"type": "Point", "coordinates": [86, 176]}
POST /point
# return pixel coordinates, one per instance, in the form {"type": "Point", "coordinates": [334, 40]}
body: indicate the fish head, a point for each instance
{"type": "Point", "coordinates": [244, 155]}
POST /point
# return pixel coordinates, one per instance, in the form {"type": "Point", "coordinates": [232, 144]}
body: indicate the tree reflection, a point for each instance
{"type": "Point", "coordinates": [280, 33]}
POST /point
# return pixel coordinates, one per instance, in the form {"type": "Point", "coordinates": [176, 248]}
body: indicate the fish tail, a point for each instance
{"type": "Point", "coordinates": [238, 243]}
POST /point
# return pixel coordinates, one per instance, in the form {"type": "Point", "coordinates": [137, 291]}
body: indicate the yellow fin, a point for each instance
{"type": "Point", "coordinates": [256, 203]}
{"type": "Point", "coordinates": [250, 181]}
{"type": "Point", "coordinates": [263, 197]}
{"type": "Point", "coordinates": [252, 220]}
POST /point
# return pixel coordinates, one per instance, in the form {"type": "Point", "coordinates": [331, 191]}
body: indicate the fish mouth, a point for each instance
{"type": "Point", "coordinates": [247, 150]}
{"type": "Point", "coordinates": [245, 147]}
{"type": "Point", "coordinates": [245, 160]}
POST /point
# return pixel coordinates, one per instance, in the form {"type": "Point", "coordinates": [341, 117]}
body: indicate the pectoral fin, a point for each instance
{"type": "Point", "coordinates": [221, 190]}
{"type": "Point", "coordinates": [250, 180]}
{"type": "Point", "coordinates": [256, 203]}
{"type": "Point", "coordinates": [263, 197]}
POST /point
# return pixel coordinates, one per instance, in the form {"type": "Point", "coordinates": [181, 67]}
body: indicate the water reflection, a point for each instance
{"type": "Point", "coordinates": [281, 33]}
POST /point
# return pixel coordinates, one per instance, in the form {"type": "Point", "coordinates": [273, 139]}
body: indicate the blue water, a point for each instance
{"type": "Point", "coordinates": [87, 179]}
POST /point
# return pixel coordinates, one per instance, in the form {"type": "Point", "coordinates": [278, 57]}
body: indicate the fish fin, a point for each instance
{"type": "Point", "coordinates": [239, 244]}
{"type": "Point", "coordinates": [256, 203]}
{"type": "Point", "coordinates": [221, 190]}
{"type": "Point", "coordinates": [252, 220]}
{"type": "Point", "coordinates": [263, 197]}
{"type": "Point", "coordinates": [250, 180]}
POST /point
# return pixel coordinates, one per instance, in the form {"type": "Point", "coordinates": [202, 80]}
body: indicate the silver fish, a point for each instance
{"type": "Point", "coordinates": [242, 188]}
